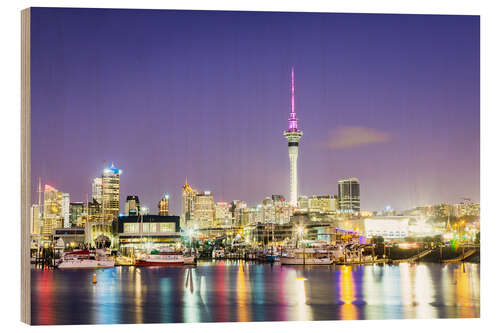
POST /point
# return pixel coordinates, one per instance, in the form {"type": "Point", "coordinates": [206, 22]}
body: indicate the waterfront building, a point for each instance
{"type": "Point", "coordinates": [349, 195]}
{"type": "Point", "coordinates": [132, 205]}
{"type": "Point", "coordinates": [76, 211]}
{"type": "Point", "coordinates": [72, 237]}
{"type": "Point", "coordinates": [188, 198]}
{"type": "Point", "coordinates": [35, 219]}
{"type": "Point", "coordinates": [264, 234]}
{"type": "Point", "coordinates": [323, 203]}
{"type": "Point", "coordinates": [95, 229]}
{"type": "Point", "coordinates": [163, 205]}
{"type": "Point", "coordinates": [52, 206]}
{"type": "Point", "coordinates": [204, 211]}
{"type": "Point", "coordinates": [97, 189]}
{"type": "Point", "coordinates": [111, 193]}
{"type": "Point", "coordinates": [293, 136]}
{"type": "Point", "coordinates": [65, 210]}
{"type": "Point", "coordinates": [223, 215]}
{"type": "Point", "coordinates": [389, 227]}
{"type": "Point", "coordinates": [148, 231]}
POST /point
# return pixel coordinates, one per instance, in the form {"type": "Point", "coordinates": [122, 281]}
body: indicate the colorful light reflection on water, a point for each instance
{"type": "Point", "coordinates": [217, 291]}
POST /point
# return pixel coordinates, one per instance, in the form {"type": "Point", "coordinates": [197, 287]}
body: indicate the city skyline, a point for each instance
{"type": "Point", "coordinates": [402, 117]}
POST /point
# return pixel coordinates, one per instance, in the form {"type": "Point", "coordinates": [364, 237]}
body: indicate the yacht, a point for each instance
{"type": "Point", "coordinates": [308, 256]}
{"type": "Point", "coordinates": [86, 259]}
{"type": "Point", "coordinates": [166, 256]}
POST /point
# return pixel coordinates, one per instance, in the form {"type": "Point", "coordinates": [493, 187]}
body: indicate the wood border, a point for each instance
{"type": "Point", "coordinates": [25, 166]}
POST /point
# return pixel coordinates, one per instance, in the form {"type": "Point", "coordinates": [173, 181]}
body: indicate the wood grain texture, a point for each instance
{"type": "Point", "coordinates": [25, 166]}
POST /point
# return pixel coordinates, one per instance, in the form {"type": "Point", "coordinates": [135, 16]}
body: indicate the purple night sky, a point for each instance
{"type": "Point", "coordinates": [390, 99]}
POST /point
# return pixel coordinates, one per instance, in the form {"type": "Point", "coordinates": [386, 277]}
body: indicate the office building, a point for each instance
{"type": "Point", "coordinates": [76, 211]}
{"type": "Point", "coordinates": [97, 189]}
{"type": "Point", "coordinates": [52, 209]}
{"type": "Point", "coordinates": [132, 205]}
{"type": "Point", "coordinates": [188, 198]}
{"type": "Point", "coordinates": [35, 219]}
{"type": "Point", "coordinates": [163, 205]}
{"type": "Point", "coordinates": [223, 215]}
{"type": "Point", "coordinates": [65, 210]}
{"type": "Point", "coordinates": [349, 195]}
{"type": "Point", "coordinates": [204, 211]}
{"type": "Point", "coordinates": [111, 193]}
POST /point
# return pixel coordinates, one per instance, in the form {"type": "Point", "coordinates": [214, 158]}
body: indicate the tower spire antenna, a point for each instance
{"type": "Point", "coordinates": [293, 92]}
{"type": "Point", "coordinates": [292, 119]}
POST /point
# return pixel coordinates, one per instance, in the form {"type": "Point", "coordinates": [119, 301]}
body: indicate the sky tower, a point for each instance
{"type": "Point", "coordinates": [293, 136]}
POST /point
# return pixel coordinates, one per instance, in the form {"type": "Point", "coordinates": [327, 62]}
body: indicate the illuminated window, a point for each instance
{"type": "Point", "coordinates": [131, 227]}
{"type": "Point", "coordinates": [167, 227]}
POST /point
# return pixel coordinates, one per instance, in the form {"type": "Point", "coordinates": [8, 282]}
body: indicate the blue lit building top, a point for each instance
{"type": "Point", "coordinates": [112, 169]}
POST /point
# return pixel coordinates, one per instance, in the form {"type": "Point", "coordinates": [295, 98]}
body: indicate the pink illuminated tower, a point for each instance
{"type": "Point", "coordinates": [293, 136]}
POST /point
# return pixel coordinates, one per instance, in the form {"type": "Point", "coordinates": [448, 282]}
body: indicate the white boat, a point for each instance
{"type": "Point", "coordinates": [166, 257]}
{"type": "Point", "coordinates": [307, 256]}
{"type": "Point", "coordinates": [86, 259]}
{"type": "Point", "coordinates": [218, 254]}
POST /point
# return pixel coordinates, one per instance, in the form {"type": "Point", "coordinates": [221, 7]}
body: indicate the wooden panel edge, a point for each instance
{"type": "Point", "coordinates": [25, 165]}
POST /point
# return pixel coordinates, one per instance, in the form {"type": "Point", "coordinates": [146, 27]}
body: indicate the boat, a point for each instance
{"type": "Point", "coordinates": [218, 253]}
{"type": "Point", "coordinates": [166, 256]}
{"type": "Point", "coordinates": [86, 259]}
{"type": "Point", "coordinates": [272, 255]}
{"type": "Point", "coordinates": [124, 261]}
{"type": "Point", "coordinates": [307, 256]}
{"type": "Point", "coordinates": [190, 257]}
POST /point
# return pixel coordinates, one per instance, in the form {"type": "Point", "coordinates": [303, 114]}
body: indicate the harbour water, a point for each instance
{"type": "Point", "coordinates": [220, 291]}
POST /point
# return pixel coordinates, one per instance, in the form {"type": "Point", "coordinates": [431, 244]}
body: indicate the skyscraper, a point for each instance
{"type": "Point", "coordinates": [65, 210]}
{"type": "Point", "coordinates": [52, 205]}
{"type": "Point", "coordinates": [349, 196]}
{"type": "Point", "coordinates": [163, 206]}
{"type": "Point", "coordinates": [97, 189]}
{"type": "Point", "coordinates": [111, 193]}
{"type": "Point", "coordinates": [223, 215]}
{"type": "Point", "coordinates": [204, 210]}
{"type": "Point", "coordinates": [293, 136]}
{"type": "Point", "coordinates": [76, 210]}
{"type": "Point", "coordinates": [188, 195]}
{"type": "Point", "coordinates": [35, 219]}
{"type": "Point", "coordinates": [132, 205]}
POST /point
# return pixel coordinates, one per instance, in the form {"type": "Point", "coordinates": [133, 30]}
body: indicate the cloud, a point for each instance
{"type": "Point", "coordinates": [355, 136]}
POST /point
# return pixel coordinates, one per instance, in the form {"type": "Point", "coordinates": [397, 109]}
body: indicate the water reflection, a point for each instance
{"type": "Point", "coordinates": [242, 291]}
{"type": "Point", "coordinates": [347, 294]}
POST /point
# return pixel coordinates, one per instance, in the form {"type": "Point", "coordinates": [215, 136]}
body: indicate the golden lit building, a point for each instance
{"type": "Point", "coordinates": [223, 215]}
{"type": "Point", "coordinates": [188, 198]}
{"type": "Point", "coordinates": [132, 205]}
{"type": "Point", "coordinates": [111, 193]}
{"type": "Point", "coordinates": [94, 211]}
{"type": "Point", "coordinates": [163, 206]}
{"type": "Point", "coordinates": [35, 219]}
{"type": "Point", "coordinates": [52, 206]}
{"type": "Point", "coordinates": [203, 212]}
